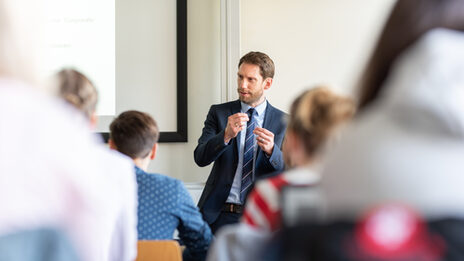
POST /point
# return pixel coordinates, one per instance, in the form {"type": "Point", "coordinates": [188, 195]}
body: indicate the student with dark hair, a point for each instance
{"type": "Point", "coordinates": [393, 186]}
{"type": "Point", "coordinates": [164, 203]}
{"type": "Point", "coordinates": [407, 143]}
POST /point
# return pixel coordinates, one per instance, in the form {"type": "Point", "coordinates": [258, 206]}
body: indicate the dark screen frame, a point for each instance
{"type": "Point", "coordinates": [180, 135]}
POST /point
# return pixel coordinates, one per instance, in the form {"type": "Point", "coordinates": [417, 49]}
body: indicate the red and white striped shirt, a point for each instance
{"type": "Point", "coordinates": [263, 208]}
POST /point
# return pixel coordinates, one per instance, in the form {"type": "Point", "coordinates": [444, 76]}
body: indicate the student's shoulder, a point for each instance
{"type": "Point", "coordinates": [157, 177]}
{"type": "Point", "coordinates": [276, 180]}
{"type": "Point", "coordinates": [116, 171]}
{"type": "Point", "coordinates": [116, 163]}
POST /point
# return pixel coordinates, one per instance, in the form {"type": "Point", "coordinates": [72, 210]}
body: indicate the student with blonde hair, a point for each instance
{"type": "Point", "coordinates": [77, 90]}
{"type": "Point", "coordinates": [314, 116]}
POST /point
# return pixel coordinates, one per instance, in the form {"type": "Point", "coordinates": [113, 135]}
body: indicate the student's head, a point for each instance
{"type": "Point", "coordinates": [134, 134]}
{"type": "Point", "coordinates": [255, 74]}
{"type": "Point", "coordinates": [314, 115]}
{"type": "Point", "coordinates": [409, 20]}
{"type": "Point", "coordinates": [76, 89]}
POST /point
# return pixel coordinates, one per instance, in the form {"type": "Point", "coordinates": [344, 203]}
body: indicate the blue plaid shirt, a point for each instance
{"type": "Point", "coordinates": [164, 205]}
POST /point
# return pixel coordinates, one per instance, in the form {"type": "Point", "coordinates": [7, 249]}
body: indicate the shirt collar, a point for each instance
{"type": "Point", "coordinates": [260, 109]}
{"type": "Point", "coordinates": [138, 170]}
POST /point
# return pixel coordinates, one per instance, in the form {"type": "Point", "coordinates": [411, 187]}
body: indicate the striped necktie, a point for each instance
{"type": "Point", "coordinates": [248, 152]}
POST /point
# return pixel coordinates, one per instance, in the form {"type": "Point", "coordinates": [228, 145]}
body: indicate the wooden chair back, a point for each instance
{"type": "Point", "coordinates": [162, 250]}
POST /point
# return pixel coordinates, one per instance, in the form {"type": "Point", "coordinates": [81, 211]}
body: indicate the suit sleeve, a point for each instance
{"type": "Point", "coordinates": [276, 162]}
{"type": "Point", "coordinates": [211, 143]}
{"type": "Point", "coordinates": [276, 159]}
{"type": "Point", "coordinates": [193, 230]}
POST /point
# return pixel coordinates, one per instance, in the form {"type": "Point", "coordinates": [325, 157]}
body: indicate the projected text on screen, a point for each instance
{"type": "Point", "coordinates": [81, 35]}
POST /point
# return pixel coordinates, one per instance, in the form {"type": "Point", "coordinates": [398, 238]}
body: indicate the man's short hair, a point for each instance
{"type": "Point", "coordinates": [134, 133]}
{"type": "Point", "coordinates": [76, 89]}
{"type": "Point", "coordinates": [266, 65]}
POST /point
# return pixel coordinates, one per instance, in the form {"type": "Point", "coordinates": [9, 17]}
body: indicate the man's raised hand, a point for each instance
{"type": "Point", "coordinates": [235, 124]}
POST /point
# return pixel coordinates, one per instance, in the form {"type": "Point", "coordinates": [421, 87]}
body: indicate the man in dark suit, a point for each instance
{"type": "Point", "coordinates": [243, 138]}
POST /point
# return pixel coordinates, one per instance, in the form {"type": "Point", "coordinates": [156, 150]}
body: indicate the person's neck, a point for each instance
{"type": "Point", "coordinates": [301, 160]}
{"type": "Point", "coordinates": [258, 102]}
{"type": "Point", "coordinates": [308, 161]}
{"type": "Point", "coordinates": [142, 163]}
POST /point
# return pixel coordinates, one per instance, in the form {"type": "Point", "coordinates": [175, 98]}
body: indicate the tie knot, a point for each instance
{"type": "Point", "coordinates": [250, 112]}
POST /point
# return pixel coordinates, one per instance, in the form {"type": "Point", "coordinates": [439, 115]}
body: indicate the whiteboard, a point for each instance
{"type": "Point", "coordinates": [130, 50]}
{"type": "Point", "coordinates": [81, 35]}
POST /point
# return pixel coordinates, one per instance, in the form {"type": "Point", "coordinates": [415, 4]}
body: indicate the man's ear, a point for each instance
{"type": "Point", "coordinates": [291, 148]}
{"type": "Point", "coordinates": [153, 151]}
{"type": "Point", "coordinates": [289, 142]}
{"type": "Point", "coordinates": [112, 145]}
{"type": "Point", "coordinates": [267, 83]}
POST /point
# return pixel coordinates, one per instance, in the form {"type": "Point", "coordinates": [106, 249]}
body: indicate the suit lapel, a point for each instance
{"type": "Point", "coordinates": [268, 117]}
{"type": "Point", "coordinates": [236, 107]}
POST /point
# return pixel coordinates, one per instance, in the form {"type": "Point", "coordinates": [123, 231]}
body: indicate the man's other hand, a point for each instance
{"type": "Point", "coordinates": [265, 140]}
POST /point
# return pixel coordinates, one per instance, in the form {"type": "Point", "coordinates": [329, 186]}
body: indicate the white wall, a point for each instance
{"type": "Point", "coordinates": [176, 160]}
{"type": "Point", "coordinates": [146, 76]}
{"type": "Point", "coordinates": [312, 41]}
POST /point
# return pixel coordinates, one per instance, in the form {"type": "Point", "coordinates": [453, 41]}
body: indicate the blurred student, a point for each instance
{"type": "Point", "coordinates": [406, 146]}
{"type": "Point", "coordinates": [77, 90]}
{"type": "Point", "coordinates": [314, 115]}
{"type": "Point", "coordinates": [407, 143]}
{"type": "Point", "coordinates": [164, 203]}
{"type": "Point", "coordinates": [52, 171]}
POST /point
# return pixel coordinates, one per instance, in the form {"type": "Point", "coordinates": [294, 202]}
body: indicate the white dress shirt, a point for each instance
{"type": "Point", "coordinates": [234, 195]}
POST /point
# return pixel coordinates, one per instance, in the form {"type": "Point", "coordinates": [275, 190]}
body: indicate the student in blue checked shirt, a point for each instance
{"type": "Point", "coordinates": [164, 203]}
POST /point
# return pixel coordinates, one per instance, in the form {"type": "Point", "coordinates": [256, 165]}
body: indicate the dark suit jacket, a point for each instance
{"type": "Point", "coordinates": [211, 148]}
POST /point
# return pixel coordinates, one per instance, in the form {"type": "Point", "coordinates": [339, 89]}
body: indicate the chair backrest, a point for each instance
{"type": "Point", "coordinates": [386, 232]}
{"type": "Point", "coordinates": [153, 250]}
